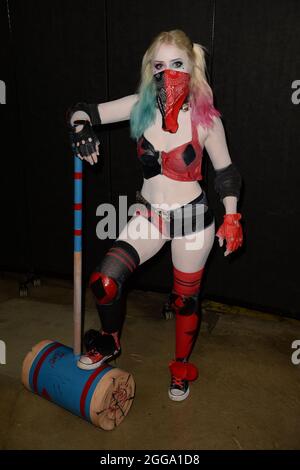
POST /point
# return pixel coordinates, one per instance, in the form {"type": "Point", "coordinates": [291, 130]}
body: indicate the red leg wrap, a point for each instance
{"type": "Point", "coordinates": [186, 284]}
{"type": "Point", "coordinates": [186, 288]}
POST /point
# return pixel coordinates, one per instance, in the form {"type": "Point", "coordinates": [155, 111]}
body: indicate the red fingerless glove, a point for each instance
{"type": "Point", "coordinates": [231, 230]}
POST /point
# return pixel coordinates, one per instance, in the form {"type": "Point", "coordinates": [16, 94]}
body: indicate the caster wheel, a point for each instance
{"type": "Point", "coordinates": [36, 282]}
{"type": "Point", "coordinates": [23, 291]}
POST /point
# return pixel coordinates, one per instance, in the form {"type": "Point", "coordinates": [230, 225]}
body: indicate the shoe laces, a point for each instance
{"type": "Point", "coordinates": [93, 352]}
{"type": "Point", "coordinates": [178, 382]}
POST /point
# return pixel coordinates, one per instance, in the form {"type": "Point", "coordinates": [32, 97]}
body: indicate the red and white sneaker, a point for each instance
{"type": "Point", "coordinates": [179, 389]}
{"type": "Point", "coordinates": [105, 347]}
{"type": "Point", "coordinates": [181, 374]}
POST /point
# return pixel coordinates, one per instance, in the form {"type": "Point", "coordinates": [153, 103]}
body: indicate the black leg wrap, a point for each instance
{"type": "Point", "coordinates": [111, 316]}
{"type": "Point", "coordinates": [120, 261]}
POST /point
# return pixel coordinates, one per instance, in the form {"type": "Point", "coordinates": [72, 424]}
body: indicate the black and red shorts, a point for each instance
{"type": "Point", "coordinates": [185, 220]}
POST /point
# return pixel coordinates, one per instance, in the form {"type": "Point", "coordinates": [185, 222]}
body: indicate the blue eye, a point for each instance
{"type": "Point", "coordinates": [178, 64]}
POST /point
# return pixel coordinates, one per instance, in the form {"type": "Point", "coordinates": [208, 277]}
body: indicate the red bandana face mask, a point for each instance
{"type": "Point", "coordinates": [172, 89]}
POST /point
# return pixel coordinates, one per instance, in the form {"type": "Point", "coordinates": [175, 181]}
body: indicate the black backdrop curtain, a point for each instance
{"type": "Point", "coordinates": [57, 53]}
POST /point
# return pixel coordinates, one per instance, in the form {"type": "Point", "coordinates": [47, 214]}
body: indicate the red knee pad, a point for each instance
{"type": "Point", "coordinates": [104, 288]}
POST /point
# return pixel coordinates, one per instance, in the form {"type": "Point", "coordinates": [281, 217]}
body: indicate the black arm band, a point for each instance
{"type": "Point", "coordinates": [90, 109]}
{"type": "Point", "coordinates": [228, 181]}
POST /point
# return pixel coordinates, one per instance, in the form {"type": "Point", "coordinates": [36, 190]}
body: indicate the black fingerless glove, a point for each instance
{"type": "Point", "coordinates": [85, 141]}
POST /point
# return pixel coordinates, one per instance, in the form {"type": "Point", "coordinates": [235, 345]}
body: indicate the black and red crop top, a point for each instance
{"type": "Point", "coordinates": [182, 163]}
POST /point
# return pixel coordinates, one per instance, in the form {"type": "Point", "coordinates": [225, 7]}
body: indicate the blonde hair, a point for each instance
{"type": "Point", "coordinates": [194, 51]}
{"type": "Point", "coordinates": [201, 96]}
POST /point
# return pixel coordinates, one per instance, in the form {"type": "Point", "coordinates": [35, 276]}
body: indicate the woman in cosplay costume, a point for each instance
{"type": "Point", "coordinates": [172, 118]}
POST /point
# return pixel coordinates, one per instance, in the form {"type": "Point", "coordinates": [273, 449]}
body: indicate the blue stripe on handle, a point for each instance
{"type": "Point", "coordinates": [77, 164]}
{"type": "Point", "coordinates": [77, 219]}
{"type": "Point", "coordinates": [77, 244]}
{"type": "Point", "coordinates": [77, 191]}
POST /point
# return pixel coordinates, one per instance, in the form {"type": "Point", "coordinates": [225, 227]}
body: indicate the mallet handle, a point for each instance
{"type": "Point", "coordinates": [77, 305]}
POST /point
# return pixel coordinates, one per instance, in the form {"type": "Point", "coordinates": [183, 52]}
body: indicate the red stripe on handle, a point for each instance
{"type": "Point", "coordinates": [78, 232]}
{"type": "Point", "coordinates": [78, 207]}
{"type": "Point", "coordinates": [87, 386]}
{"type": "Point", "coordinates": [40, 363]}
{"type": "Point", "coordinates": [77, 175]}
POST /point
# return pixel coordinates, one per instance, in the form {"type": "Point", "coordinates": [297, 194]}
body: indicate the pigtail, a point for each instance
{"type": "Point", "coordinates": [203, 110]}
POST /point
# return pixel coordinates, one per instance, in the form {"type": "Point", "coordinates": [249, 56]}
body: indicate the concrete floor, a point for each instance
{"type": "Point", "coordinates": [247, 395]}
